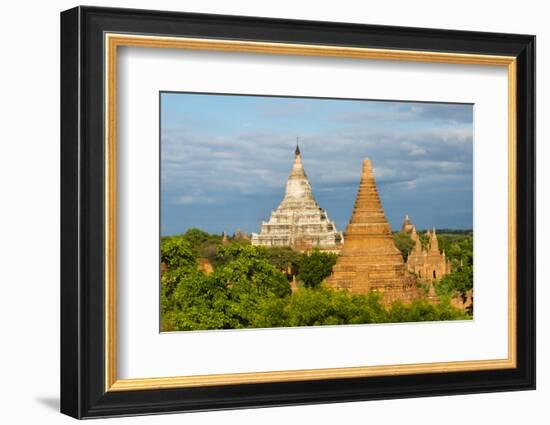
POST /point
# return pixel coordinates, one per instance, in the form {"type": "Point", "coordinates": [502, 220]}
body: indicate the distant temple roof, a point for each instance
{"type": "Point", "coordinates": [407, 226]}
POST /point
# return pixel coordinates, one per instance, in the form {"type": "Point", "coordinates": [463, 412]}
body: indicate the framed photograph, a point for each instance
{"type": "Point", "coordinates": [261, 212]}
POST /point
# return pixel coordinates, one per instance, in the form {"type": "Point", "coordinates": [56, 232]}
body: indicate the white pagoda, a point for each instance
{"type": "Point", "coordinates": [298, 221]}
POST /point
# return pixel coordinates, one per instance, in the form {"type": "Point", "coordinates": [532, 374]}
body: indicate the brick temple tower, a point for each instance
{"type": "Point", "coordinates": [430, 264]}
{"type": "Point", "coordinates": [369, 259]}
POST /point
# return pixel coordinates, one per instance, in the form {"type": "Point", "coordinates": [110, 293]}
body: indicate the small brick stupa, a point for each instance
{"type": "Point", "coordinates": [407, 226]}
{"type": "Point", "coordinates": [369, 259]}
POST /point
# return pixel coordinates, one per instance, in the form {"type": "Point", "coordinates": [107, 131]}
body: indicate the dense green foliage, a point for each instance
{"type": "Point", "coordinates": [176, 252]}
{"type": "Point", "coordinates": [460, 252]}
{"type": "Point", "coordinates": [283, 257]}
{"type": "Point", "coordinates": [230, 297]}
{"type": "Point", "coordinates": [315, 267]}
{"type": "Point", "coordinates": [422, 310]}
{"type": "Point", "coordinates": [201, 244]}
{"type": "Point", "coordinates": [404, 243]}
{"type": "Point", "coordinates": [249, 288]}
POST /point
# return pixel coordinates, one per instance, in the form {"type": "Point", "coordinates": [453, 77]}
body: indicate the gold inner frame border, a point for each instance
{"type": "Point", "coordinates": [113, 40]}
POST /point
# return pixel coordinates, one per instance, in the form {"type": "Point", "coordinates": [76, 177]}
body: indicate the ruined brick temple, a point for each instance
{"type": "Point", "coordinates": [369, 259]}
{"type": "Point", "coordinates": [428, 264]}
{"type": "Point", "coordinates": [299, 221]}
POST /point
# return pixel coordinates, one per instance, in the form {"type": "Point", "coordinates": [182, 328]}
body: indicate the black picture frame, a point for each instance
{"type": "Point", "coordinates": [83, 392]}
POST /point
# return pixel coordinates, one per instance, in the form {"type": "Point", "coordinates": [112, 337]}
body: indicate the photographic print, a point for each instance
{"type": "Point", "coordinates": [291, 211]}
{"type": "Point", "coordinates": [314, 210]}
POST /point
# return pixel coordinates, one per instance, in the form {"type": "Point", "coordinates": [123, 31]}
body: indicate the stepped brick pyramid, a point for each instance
{"type": "Point", "coordinates": [369, 259]}
{"type": "Point", "coordinates": [299, 221]}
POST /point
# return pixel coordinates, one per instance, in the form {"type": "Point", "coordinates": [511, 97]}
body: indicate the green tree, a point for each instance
{"type": "Point", "coordinates": [176, 252]}
{"type": "Point", "coordinates": [404, 243]}
{"type": "Point", "coordinates": [200, 302]}
{"type": "Point", "coordinates": [370, 309]}
{"type": "Point", "coordinates": [245, 266]}
{"type": "Point", "coordinates": [315, 267]}
{"type": "Point", "coordinates": [459, 250]}
{"type": "Point", "coordinates": [458, 282]}
{"type": "Point", "coordinates": [271, 313]}
{"type": "Point", "coordinates": [237, 295]}
{"type": "Point", "coordinates": [196, 237]}
{"type": "Point", "coordinates": [283, 257]}
{"type": "Point", "coordinates": [253, 283]}
{"type": "Point", "coordinates": [422, 310]}
{"type": "Point", "coordinates": [325, 306]}
{"type": "Point", "coordinates": [203, 244]}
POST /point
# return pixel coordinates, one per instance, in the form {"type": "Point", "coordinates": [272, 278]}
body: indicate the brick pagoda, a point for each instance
{"type": "Point", "coordinates": [369, 259]}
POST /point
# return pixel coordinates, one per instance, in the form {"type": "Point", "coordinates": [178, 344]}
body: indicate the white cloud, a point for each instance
{"type": "Point", "coordinates": [190, 200]}
{"type": "Point", "coordinates": [418, 152]}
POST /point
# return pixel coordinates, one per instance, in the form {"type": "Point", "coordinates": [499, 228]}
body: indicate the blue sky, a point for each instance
{"type": "Point", "coordinates": [225, 158]}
